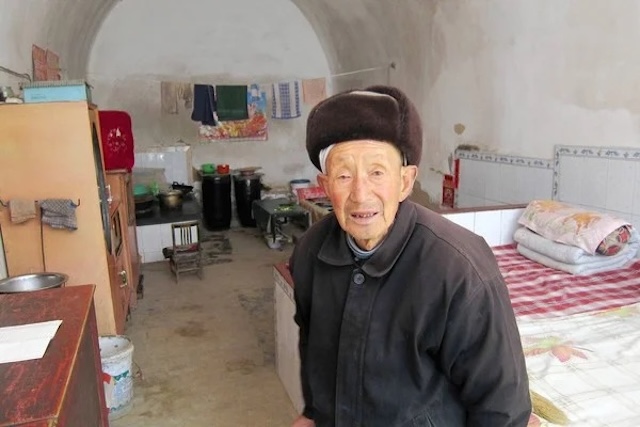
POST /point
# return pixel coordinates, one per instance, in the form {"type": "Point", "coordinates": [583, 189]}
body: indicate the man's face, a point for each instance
{"type": "Point", "coordinates": [366, 181]}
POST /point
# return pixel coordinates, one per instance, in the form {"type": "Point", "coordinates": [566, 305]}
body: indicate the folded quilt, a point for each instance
{"type": "Point", "coordinates": [598, 263]}
{"type": "Point", "coordinates": [557, 251]}
{"type": "Point", "coordinates": [569, 224]}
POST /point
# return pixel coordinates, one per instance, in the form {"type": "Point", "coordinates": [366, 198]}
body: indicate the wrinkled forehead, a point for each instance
{"type": "Point", "coordinates": [363, 150]}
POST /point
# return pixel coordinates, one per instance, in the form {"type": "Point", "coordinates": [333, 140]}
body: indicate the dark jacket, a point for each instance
{"type": "Point", "coordinates": [421, 334]}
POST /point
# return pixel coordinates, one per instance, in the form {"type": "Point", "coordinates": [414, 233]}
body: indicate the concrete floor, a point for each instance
{"type": "Point", "coordinates": [205, 348]}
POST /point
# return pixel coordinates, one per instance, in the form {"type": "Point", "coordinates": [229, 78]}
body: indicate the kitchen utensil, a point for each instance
{"type": "Point", "coordinates": [141, 190]}
{"type": "Point", "coordinates": [185, 189]}
{"type": "Point", "coordinates": [171, 199]}
{"type": "Point", "coordinates": [208, 168]}
{"type": "Point", "coordinates": [248, 170]}
{"type": "Point", "coordinates": [32, 282]}
{"type": "Point", "coordinates": [143, 202]}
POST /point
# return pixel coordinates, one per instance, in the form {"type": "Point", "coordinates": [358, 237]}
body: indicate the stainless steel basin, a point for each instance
{"type": "Point", "coordinates": [32, 282]}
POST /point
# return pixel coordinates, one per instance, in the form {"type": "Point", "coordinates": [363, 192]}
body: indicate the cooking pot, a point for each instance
{"type": "Point", "coordinates": [185, 189]}
{"type": "Point", "coordinates": [171, 199]}
{"type": "Point", "coordinates": [143, 202]}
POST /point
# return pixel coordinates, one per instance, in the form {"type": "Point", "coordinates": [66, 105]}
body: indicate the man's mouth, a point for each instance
{"type": "Point", "coordinates": [363, 215]}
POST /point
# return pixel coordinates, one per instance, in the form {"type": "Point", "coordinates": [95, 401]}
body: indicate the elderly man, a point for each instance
{"type": "Point", "coordinates": [404, 317]}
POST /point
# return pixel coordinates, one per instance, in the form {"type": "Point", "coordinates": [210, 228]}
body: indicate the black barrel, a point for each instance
{"type": "Point", "coordinates": [216, 201]}
{"type": "Point", "coordinates": [247, 189]}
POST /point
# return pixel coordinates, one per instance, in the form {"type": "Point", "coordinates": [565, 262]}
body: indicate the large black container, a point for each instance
{"type": "Point", "coordinates": [216, 201]}
{"type": "Point", "coordinates": [247, 189]}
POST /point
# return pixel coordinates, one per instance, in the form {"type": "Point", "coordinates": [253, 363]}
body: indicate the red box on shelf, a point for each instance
{"type": "Point", "coordinates": [448, 191]}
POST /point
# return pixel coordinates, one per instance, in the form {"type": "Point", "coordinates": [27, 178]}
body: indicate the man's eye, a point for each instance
{"type": "Point", "coordinates": [377, 173]}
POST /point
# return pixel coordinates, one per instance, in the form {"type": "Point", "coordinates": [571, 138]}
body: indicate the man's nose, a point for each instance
{"type": "Point", "coordinates": [361, 189]}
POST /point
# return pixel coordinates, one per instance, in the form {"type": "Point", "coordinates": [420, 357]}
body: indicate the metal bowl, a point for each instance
{"type": "Point", "coordinates": [32, 282]}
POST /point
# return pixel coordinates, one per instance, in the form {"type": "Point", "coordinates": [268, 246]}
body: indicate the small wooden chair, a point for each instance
{"type": "Point", "coordinates": [186, 254]}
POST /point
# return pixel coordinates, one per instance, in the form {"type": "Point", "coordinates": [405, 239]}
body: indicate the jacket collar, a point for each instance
{"type": "Point", "coordinates": [335, 251]}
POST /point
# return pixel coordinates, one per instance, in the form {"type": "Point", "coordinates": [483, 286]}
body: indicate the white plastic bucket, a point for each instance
{"type": "Point", "coordinates": [298, 183]}
{"type": "Point", "coordinates": [116, 355]}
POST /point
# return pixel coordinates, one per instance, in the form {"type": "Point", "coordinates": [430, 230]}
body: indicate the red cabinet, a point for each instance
{"type": "Point", "coordinates": [64, 388]}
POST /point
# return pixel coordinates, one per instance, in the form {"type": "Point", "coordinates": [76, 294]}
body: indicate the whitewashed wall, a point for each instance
{"type": "Point", "coordinates": [144, 42]}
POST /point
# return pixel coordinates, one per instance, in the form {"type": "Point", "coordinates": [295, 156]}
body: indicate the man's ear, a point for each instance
{"type": "Point", "coordinates": [408, 178]}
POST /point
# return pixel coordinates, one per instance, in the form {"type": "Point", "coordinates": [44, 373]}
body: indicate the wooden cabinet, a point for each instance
{"type": "Point", "coordinates": [53, 150]}
{"type": "Point", "coordinates": [118, 275]}
{"type": "Point", "coordinates": [121, 185]}
{"type": "Point", "coordinates": [64, 388]}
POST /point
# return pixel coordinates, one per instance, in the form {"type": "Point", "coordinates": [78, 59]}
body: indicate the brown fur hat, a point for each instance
{"type": "Point", "coordinates": [367, 114]}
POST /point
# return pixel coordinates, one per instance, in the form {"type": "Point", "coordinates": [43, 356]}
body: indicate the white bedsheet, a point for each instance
{"type": "Point", "coordinates": [588, 365]}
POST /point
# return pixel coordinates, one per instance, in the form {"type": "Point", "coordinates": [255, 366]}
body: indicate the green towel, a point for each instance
{"type": "Point", "coordinates": [232, 102]}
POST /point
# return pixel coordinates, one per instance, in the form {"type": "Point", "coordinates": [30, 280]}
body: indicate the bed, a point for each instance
{"type": "Point", "coordinates": [581, 337]}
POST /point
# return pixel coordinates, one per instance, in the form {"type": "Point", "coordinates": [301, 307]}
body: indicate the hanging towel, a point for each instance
{"type": "Point", "coordinates": [286, 100]}
{"type": "Point", "coordinates": [204, 105]}
{"type": "Point", "coordinates": [22, 210]}
{"type": "Point", "coordinates": [314, 90]}
{"type": "Point", "coordinates": [185, 94]}
{"type": "Point", "coordinates": [232, 103]}
{"type": "Point", "coordinates": [169, 97]}
{"type": "Point", "coordinates": [59, 213]}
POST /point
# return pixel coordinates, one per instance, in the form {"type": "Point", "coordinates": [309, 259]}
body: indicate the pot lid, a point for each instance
{"type": "Point", "coordinates": [248, 170]}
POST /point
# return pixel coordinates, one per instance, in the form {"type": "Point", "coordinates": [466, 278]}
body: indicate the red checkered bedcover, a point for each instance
{"type": "Point", "coordinates": [540, 291]}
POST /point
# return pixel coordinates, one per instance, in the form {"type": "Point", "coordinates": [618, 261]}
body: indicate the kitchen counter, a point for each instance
{"type": "Point", "coordinates": [191, 211]}
{"type": "Point", "coordinates": [64, 388]}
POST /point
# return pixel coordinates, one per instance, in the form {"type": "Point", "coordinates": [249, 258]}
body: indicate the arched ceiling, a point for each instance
{"type": "Point", "coordinates": [355, 34]}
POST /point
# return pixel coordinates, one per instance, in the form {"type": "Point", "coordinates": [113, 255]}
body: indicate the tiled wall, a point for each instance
{"type": "Point", "coordinates": [488, 179]}
{"type": "Point", "coordinates": [151, 240]}
{"type": "Point", "coordinates": [496, 226]}
{"type": "Point", "coordinates": [601, 178]}
{"type": "Point", "coordinates": [176, 162]}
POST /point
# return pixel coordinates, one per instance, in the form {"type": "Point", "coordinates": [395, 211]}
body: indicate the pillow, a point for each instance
{"type": "Point", "coordinates": [570, 225]}
{"type": "Point", "coordinates": [614, 242]}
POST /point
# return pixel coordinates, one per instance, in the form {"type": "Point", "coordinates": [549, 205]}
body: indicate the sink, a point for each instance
{"type": "Point", "coordinates": [32, 282]}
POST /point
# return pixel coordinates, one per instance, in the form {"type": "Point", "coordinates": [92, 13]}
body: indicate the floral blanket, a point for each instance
{"type": "Point", "coordinates": [587, 364]}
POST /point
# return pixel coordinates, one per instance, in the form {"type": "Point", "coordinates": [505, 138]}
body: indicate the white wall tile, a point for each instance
{"type": "Point", "coordinates": [636, 191]}
{"type": "Point", "coordinates": [570, 179]}
{"type": "Point", "coordinates": [509, 224]}
{"type": "Point", "coordinates": [487, 225]}
{"type": "Point", "coordinates": [140, 238]}
{"type": "Point", "coordinates": [151, 237]}
{"type": "Point", "coordinates": [471, 178]}
{"type": "Point", "coordinates": [594, 181]}
{"type": "Point", "coordinates": [166, 239]}
{"type": "Point", "coordinates": [465, 219]}
{"type": "Point", "coordinates": [176, 162]}
{"type": "Point", "coordinates": [493, 182]}
{"type": "Point", "coordinates": [509, 178]}
{"type": "Point", "coordinates": [541, 182]}
{"type": "Point", "coordinates": [153, 256]}
{"type": "Point", "coordinates": [620, 185]}
{"type": "Point", "coordinates": [467, 201]}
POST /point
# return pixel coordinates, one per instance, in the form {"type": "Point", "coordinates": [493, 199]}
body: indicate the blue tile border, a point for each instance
{"type": "Point", "coordinates": [483, 156]}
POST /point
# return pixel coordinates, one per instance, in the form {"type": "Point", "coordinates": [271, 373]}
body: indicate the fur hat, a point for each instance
{"type": "Point", "coordinates": [379, 113]}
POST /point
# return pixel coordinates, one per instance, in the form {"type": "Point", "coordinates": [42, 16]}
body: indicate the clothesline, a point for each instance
{"type": "Point", "coordinates": [389, 66]}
